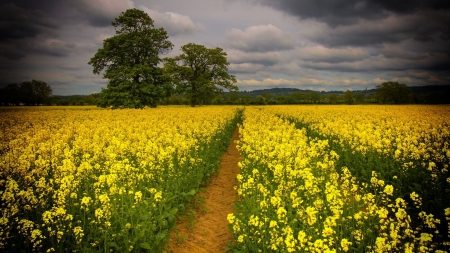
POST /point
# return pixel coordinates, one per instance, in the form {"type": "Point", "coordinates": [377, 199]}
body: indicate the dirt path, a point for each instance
{"type": "Point", "coordinates": [206, 229]}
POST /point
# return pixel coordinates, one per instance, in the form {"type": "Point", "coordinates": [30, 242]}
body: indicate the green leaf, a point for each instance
{"type": "Point", "coordinates": [145, 245]}
{"type": "Point", "coordinates": [113, 245]}
{"type": "Point", "coordinates": [173, 211]}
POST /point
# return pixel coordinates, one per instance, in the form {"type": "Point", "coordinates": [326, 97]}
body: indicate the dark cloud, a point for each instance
{"type": "Point", "coordinates": [68, 66]}
{"type": "Point", "coordinates": [389, 59]}
{"type": "Point", "coordinates": [422, 27]}
{"type": "Point", "coordinates": [101, 13]}
{"type": "Point", "coordinates": [332, 55]}
{"type": "Point", "coordinates": [11, 52]}
{"type": "Point", "coordinates": [18, 23]}
{"type": "Point", "coordinates": [335, 13]}
{"type": "Point", "coordinates": [318, 43]}
{"type": "Point", "coordinates": [262, 38]}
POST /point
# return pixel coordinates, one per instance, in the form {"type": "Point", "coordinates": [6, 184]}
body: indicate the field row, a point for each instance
{"type": "Point", "coordinates": [340, 178]}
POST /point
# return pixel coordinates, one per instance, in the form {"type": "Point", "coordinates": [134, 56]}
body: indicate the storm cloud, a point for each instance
{"type": "Point", "coordinates": [320, 45]}
{"type": "Point", "coordinates": [337, 13]}
{"type": "Point", "coordinates": [262, 38]}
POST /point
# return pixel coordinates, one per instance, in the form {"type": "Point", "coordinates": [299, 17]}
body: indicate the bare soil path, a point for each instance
{"type": "Point", "coordinates": [205, 227]}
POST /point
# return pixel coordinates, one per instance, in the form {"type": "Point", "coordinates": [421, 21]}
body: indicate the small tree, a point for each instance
{"type": "Point", "coordinates": [260, 100]}
{"type": "Point", "coordinates": [198, 71]}
{"type": "Point", "coordinates": [314, 96]}
{"type": "Point", "coordinates": [360, 98]}
{"type": "Point", "coordinates": [392, 92]}
{"type": "Point", "coordinates": [332, 98]}
{"type": "Point", "coordinates": [130, 60]}
{"type": "Point", "coordinates": [349, 98]}
{"type": "Point", "coordinates": [10, 95]}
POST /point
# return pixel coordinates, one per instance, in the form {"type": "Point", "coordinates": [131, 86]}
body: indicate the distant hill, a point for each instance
{"type": "Point", "coordinates": [438, 90]}
{"type": "Point", "coordinates": [288, 91]}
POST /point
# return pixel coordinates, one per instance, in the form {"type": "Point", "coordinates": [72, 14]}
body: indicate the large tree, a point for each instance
{"type": "Point", "coordinates": [130, 60]}
{"type": "Point", "coordinates": [393, 92]}
{"type": "Point", "coordinates": [199, 71]}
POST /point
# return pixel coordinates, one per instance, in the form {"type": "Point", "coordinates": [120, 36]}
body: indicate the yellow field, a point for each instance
{"type": "Point", "coordinates": [102, 179]}
{"type": "Point", "coordinates": [313, 178]}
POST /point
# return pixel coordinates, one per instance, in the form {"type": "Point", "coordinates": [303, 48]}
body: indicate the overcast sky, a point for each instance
{"type": "Point", "coordinates": [305, 44]}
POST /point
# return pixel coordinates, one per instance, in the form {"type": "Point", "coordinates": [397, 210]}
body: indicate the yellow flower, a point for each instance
{"type": "Point", "coordinates": [98, 213]}
{"type": "Point", "coordinates": [137, 196]}
{"type": "Point", "coordinates": [345, 244]}
{"type": "Point", "coordinates": [281, 212]}
{"type": "Point", "coordinates": [389, 189]}
{"type": "Point", "coordinates": [447, 211]}
{"type": "Point", "coordinates": [311, 211]}
{"type": "Point", "coordinates": [230, 218]}
{"type": "Point", "coordinates": [382, 213]}
{"type": "Point", "coordinates": [425, 237]}
{"type": "Point", "coordinates": [158, 196]}
{"type": "Point", "coordinates": [273, 224]}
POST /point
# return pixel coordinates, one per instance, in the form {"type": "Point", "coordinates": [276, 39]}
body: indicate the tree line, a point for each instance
{"type": "Point", "coordinates": [29, 93]}
{"type": "Point", "coordinates": [413, 95]}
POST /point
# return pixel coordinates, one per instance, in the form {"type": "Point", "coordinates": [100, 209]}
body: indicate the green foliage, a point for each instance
{"type": "Point", "coordinates": [130, 60]}
{"type": "Point", "coordinates": [392, 92]}
{"type": "Point", "coordinates": [198, 71]}
{"type": "Point", "coordinates": [28, 93]}
{"type": "Point", "coordinates": [314, 96]}
{"type": "Point", "coordinates": [349, 98]}
{"type": "Point", "coordinates": [260, 100]}
{"type": "Point", "coordinates": [91, 99]}
{"type": "Point", "coordinates": [332, 98]}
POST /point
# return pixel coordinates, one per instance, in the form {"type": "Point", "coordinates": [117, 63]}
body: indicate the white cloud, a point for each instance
{"type": "Point", "coordinates": [332, 55]}
{"type": "Point", "coordinates": [262, 38]}
{"type": "Point", "coordinates": [245, 67]}
{"type": "Point", "coordinates": [350, 82]}
{"type": "Point", "coordinates": [174, 23]}
{"type": "Point", "coordinates": [265, 58]}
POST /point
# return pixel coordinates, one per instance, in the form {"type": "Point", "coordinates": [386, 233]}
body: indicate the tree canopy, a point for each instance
{"type": "Point", "coordinates": [198, 72]}
{"type": "Point", "coordinates": [129, 60]}
{"type": "Point", "coordinates": [393, 92]}
{"type": "Point", "coordinates": [349, 98]}
{"type": "Point", "coordinates": [33, 92]}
